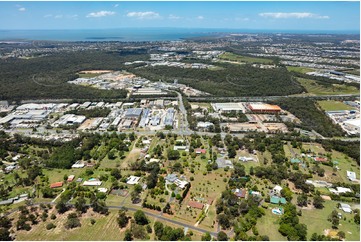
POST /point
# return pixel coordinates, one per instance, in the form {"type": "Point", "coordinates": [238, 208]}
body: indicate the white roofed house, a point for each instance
{"type": "Point", "coordinates": [351, 175]}
{"type": "Point", "coordinates": [276, 191]}
{"type": "Point", "coordinates": [345, 207]}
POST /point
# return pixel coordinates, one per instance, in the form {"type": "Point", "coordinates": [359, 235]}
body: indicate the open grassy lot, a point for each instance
{"type": "Point", "coordinates": [334, 105]}
{"type": "Point", "coordinates": [247, 59]}
{"type": "Point", "coordinates": [105, 228]}
{"type": "Point", "coordinates": [316, 221]}
{"type": "Point", "coordinates": [299, 69]}
{"type": "Point", "coordinates": [354, 72]}
{"type": "Point", "coordinates": [268, 225]}
{"type": "Point", "coordinates": [314, 88]}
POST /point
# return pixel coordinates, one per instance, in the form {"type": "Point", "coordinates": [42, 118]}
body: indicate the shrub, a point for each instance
{"type": "Point", "coordinates": [50, 226]}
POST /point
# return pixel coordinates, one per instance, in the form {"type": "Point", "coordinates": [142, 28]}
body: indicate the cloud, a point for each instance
{"type": "Point", "coordinates": [292, 15]}
{"type": "Point", "coordinates": [116, 5]}
{"type": "Point", "coordinates": [144, 15]}
{"type": "Point", "coordinates": [100, 14]}
{"type": "Point", "coordinates": [58, 16]}
{"type": "Point", "coordinates": [22, 9]}
{"type": "Point", "coordinates": [48, 16]}
{"type": "Point", "coordinates": [200, 17]}
{"type": "Point", "coordinates": [171, 16]}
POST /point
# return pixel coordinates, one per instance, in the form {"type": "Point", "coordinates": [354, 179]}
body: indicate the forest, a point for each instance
{"type": "Point", "coordinates": [230, 80]}
{"type": "Point", "coordinates": [46, 77]}
{"type": "Point", "coordinates": [312, 118]}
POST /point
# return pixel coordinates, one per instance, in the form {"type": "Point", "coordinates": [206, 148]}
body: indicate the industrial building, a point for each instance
{"type": "Point", "coordinates": [169, 117]}
{"type": "Point", "coordinates": [264, 108]}
{"type": "Point", "coordinates": [69, 119]}
{"type": "Point", "coordinates": [144, 120]}
{"type": "Point", "coordinates": [228, 107]}
{"type": "Point", "coordinates": [352, 126]}
{"type": "Point", "coordinates": [133, 113]}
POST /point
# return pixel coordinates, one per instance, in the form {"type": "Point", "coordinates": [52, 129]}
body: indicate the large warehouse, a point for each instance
{"type": "Point", "coordinates": [227, 107]}
{"type": "Point", "coordinates": [264, 108]}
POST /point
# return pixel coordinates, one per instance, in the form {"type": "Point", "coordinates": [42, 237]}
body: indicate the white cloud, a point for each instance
{"type": "Point", "coordinates": [292, 15]}
{"type": "Point", "coordinates": [58, 16]}
{"type": "Point", "coordinates": [22, 9]}
{"type": "Point", "coordinates": [100, 14]}
{"type": "Point", "coordinates": [200, 17]}
{"type": "Point", "coordinates": [144, 15]}
{"type": "Point", "coordinates": [48, 16]}
{"type": "Point", "coordinates": [116, 5]}
{"type": "Point", "coordinates": [171, 16]}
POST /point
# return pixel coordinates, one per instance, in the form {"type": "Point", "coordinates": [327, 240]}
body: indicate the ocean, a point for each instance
{"type": "Point", "coordinates": [136, 34]}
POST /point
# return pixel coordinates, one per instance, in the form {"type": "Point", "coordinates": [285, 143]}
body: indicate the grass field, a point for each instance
{"type": "Point", "coordinates": [314, 88]}
{"type": "Point", "coordinates": [316, 221]}
{"type": "Point", "coordinates": [105, 228]}
{"type": "Point", "coordinates": [247, 59]}
{"type": "Point", "coordinates": [334, 105]}
{"type": "Point", "coordinates": [299, 69]}
{"type": "Point", "coordinates": [354, 72]}
{"type": "Point", "coordinates": [268, 225]}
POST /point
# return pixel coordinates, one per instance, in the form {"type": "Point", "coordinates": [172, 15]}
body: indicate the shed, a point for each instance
{"type": "Point", "coordinates": [56, 185]}
{"type": "Point", "coordinates": [71, 178]}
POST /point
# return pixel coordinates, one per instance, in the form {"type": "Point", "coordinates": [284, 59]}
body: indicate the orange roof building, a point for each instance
{"type": "Point", "coordinates": [194, 204]}
{"type": "Point", "coordinates": [264, 108]}
{"type": "Point", "coordinates": [56, 185]}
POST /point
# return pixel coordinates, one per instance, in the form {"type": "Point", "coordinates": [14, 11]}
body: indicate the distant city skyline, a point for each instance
{"type": "Point", "coordinates": [338, 16]}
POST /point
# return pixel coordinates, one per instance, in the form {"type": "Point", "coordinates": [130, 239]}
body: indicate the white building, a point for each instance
{"type": "Point", "coordinates": [345, 207]}
{"type": "Point", "coordinates": [351, 175]}
{"type": "Point", "coordinates": [132, 180]}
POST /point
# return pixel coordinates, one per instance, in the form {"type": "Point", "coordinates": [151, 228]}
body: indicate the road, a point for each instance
{"type": "Point", "coordinates": [155, 216]}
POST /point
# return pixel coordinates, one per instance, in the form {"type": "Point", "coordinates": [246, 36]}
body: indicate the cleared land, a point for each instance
{"type": "Point", "coordinates": [314, 88]}
{"type": "Point", "coordinates": [299, 69]}
{"type": "Point", "coordinates": [246, 59]}
{"type": "Point", "coordinates": [316, 221]}
{"type": "Point", "coordinates": [334, 105]}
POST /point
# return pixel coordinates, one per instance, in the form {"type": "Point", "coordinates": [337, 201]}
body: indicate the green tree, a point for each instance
{"type": "Point", "coordinates": [222, 236]}
{"type": "Point", "coordinates": [318, 201]}
{"type": "Point", "coordinates": [128, 235]}
{"type": "Point", "coordinates": [334, 219]}
{"type": "Point", "coordinates": [140, 218]}
{"type": "Point", "coordinates": [206, 237]}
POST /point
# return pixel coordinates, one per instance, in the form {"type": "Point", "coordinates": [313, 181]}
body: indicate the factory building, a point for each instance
{"type": "Point", "coordinates": [133, 113]}
{"type": "Point", "coordinates": [228, 107]}
{"type": "Point", "coordinates": [169, 117]}
{"type": "Point", "coordinates": [264, 108]}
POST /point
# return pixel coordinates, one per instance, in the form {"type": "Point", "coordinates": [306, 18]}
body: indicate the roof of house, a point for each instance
{"type": "Point", "coordinates": [241, 193]}
{"type": "Point", "coordinates": [275, 199]}
{"type": "Point", "coordinates": [351, 175]}
{"type": "Point", "coordinates": [195, 204]}
{"type": "Point", "coordinates": [56, 184]}
{"type": "Point", "coordinates": [321, 159]}
{"type": "Point", "coordinates": [203, 151]}
{"type": "Point", "coordinates": [295, 160]}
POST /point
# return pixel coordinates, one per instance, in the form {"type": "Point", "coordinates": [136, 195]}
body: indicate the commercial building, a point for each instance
{"type": "Point", "coordinates": [264, 108]}
{"type": "Point", "coordinates": [228, 107]}
{"type": "Point", "coordinates": [169, 117]}
{"type": "Point", "coordinates": [69, 119]}
{"type": "Point", "coordinates": [133, 113]}
{"type": "Point", "coordinates": [352, 125]}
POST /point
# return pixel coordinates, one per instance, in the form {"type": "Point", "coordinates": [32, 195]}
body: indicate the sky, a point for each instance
{"type": "Point", "coordinates": [325, 15]}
